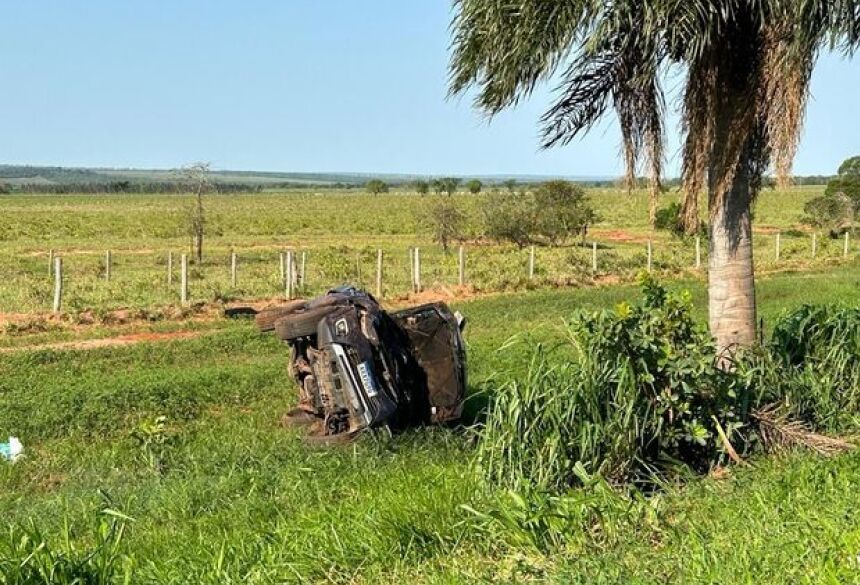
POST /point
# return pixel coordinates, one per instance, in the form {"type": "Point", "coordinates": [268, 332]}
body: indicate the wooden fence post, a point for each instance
{"type": "Point", "coordinates": [845, 246]}
{"type": "Point", "coordinates": [417, 270]}
{"type": "Point", "coordinates": [283, 266]}
{"type": "Point", "coordinates": [777, 245]}
{"type": "Point", "coordinates": [698, 252]}
{"type": "Point", "coordinates": [108, 262]}
{"type": "Point", "coordinates": [593, 258]}
{"type": "Point", "coordinates": [170, 268]}
{"type": "Point", "coordinates": [233, 268]}
{"type": "Point", "coordinates": [289, 274]}
{"type": "Point", "coordinates": [461, 267]}
{"type": "Point", "coordinates": [379, 273]}
{"type": "Point", "coordinates": [50, 262]}
{"type": "Point", "coordinates": [814, 243]}
{"type": "Point", "coordinates": [650, 253]}
{"type": "Point", "coordinates": [183, 279]}
{"type": "Point", "coordinates": [302, 273]}
{"type": "Point", "coordinates": [58, 284]}
{"type": "Point", "coordinates": [412, 267]}
{"type": "Point", "coordinates": [531, 263]}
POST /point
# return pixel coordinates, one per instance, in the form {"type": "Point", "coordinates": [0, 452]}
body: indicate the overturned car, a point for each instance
{"type": "Point", "coordinates": [359, 367]}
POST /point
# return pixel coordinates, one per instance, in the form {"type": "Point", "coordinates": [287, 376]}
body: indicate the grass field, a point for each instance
{"type": "Point", "coordinates": [230, 496]}
{"type": "Point", "coordinates": [340, 233]}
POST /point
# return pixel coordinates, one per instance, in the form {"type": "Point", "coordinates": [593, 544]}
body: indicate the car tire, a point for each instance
{"type": "Point", "coordinates": [301, 323]}
{"type": "Point", "coordinates": [266, 318]}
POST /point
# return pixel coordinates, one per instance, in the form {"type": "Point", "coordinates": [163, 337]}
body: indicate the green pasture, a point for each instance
{"type": "Point", "coordinates": [230, 496]}
{"type": "Point", "coordinates": [338, 234]}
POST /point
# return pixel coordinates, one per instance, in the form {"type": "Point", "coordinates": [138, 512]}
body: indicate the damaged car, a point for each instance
{"type": "Point", "coordinates": [359, 367]}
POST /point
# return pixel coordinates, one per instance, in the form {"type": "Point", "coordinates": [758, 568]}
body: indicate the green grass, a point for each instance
{"type": "Point", "coordinates": [241, 499]}
{"type": "Point", "coordinates": [340, 233]}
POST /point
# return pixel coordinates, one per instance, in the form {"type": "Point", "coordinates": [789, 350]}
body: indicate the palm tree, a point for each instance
{"type": "Point", "coordinates": [747, 63]}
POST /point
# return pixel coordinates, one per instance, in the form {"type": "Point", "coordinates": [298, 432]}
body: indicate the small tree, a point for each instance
{"type": "Point", "coordinates": [444, 220]}
{"type": "Point", "coordinates": [449, 184]}
{"type": "Point", "coordinates": [833, 213]}
{"type": "Point", "coordinates": [847, 181]}
{"type": "Point", "coordinates": [376, 186]}
{"type": "Point", "coordinates": [510, 185]}
{"type": "Point", "coordinates": [437, 185]}
{"type": "Point", "coordinates": [474, 186]}
{"type": "Point", "coordinates": [421, 187]}
{"type": "Point", "coordinates": [509, 217]}
{"type": "Point", "coordinates": [195, 178]}
{"type": "Point", "coordinates": [562, 210]}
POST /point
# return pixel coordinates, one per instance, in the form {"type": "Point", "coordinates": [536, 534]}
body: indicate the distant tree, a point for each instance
{"type": "Point", "coordinates": [449, 184]}
{"type": "Point", "coordinates": [443, 218]}
{"type": "Point", "coordinates": [846, 182]}
{"type": "Point", "coordinates": [562, 210]}
{"type": "Point", "coordinates": [437, 185]}
{"type": "Point", "coordinates": [850, 166]}
{"type": "Point", "coordinates": [833, 213]}
{"type": "Point", "coordinates": [376, 186]}
{"type": "Point", "coordinates": [195, 178]}
{"type": "Point", "coordinates": [474, 186]}
{"type": "Point", "coordinates": [510, 185]}
{"type": "Point", "coordinates": [509, 217]}
{"type": "Point", "coordinates": [421, 187]}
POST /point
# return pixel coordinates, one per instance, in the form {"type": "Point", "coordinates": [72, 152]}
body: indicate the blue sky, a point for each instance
{"type": "Point", "coordinates": [302, 85]}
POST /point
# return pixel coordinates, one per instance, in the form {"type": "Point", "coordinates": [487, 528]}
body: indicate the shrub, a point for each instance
{"type": "Point", "coordinates": [834, 213]}
{"type": "Point", "coordinates": [474, 186]}
{"type": "Point", "coordinates": [376, 186]}
{"type": "Point", "coordinates": [562, 211]}
{"type": "Point", "coordinates": [642, 393]}
{"type": "Point", "coordinates": [509, 217]}
{"type": "Point", "coordinates": [443, 219]}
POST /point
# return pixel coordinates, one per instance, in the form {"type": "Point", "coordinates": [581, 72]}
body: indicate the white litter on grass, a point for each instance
{"type": "Point", "coordinates": [12, 450]}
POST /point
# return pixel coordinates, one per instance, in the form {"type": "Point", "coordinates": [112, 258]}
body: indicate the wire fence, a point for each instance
{"type": "Point", "coordinates": [72, 280]}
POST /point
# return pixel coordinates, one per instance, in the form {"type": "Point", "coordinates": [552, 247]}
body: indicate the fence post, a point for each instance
{"type": "Point", "coordinates": [649, 255]}
{"type": "Point", "coordinates": [50, 262]}
{"type": "Point", "coordinates": [302, 273]}
{"type": "Point", "coordinates": [461, 267]}
{"type": "Point", "coordinates": [379, 273]}
{"type": "Point", "coordinates": [412, 267]}
{"type": "Point", "coordinates": [845, 246]}
{"type": "Point", "coordinates": [814, 242]}
{"type": "Point", "coordinates": [698, 252]}
{"type": "Point", "coordinates": [289, 274]}
{"type": "Point", "coordinates": [777, 244]}
{"type": "Point", "coordinates": [531, 263]}
{"type": "Point", "coordinates": [58, 284]}
{"type": "Point", "coordinates": [108, 262]}
{"type": "Point", "coordinates": [169, 267]}
{"type": "Point", "coordinates": [233, 268]}
{"type": "Point", "coordinates": [183, 279]}
{"type": "Point", "coordinates": [283, 263]}
{"type": "Point", "coordinates": [417, 270]}
{"type": "Point", "coordinates": [593, 258]}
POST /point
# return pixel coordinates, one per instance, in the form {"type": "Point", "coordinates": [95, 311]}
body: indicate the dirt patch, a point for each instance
{"type": "Point", "coordinates": [121, 340]}
{"type": "Point", "coordinates": [619, 236]}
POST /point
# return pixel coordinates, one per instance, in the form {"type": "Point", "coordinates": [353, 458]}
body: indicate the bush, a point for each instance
{"type": "Point", "coordinates": [562, 211]}
{"type": "Point", "coordinates": [376, 186]}
{"type": "Point", "coordinates": [509, 217]}
{"type": "Point", "coordinates": [551, 214]}
{"type": "Point", "coordinates": [834, 213]}
{"type": "Point", "coordinates": [642, 394]}
{"type": "Point", "coordinates": [443, 219]}
{"type": "Point", "coordinates": [474, 186]}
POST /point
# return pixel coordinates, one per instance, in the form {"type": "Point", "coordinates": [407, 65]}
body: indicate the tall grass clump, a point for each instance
{"type": "Point", "coordinates": [641, 396]}
{"type": "Point", "coordinates": [812, 366]}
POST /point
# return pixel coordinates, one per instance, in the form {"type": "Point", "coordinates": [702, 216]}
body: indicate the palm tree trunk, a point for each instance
{"type": "Point", "coordinates": [731, 285]}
